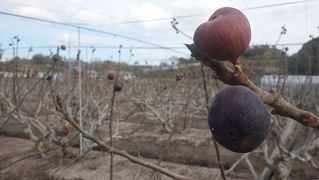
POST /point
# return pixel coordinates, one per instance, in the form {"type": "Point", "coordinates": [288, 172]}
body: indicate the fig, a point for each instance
{"type": "Point", "coordinates": [238, 119]}
{"type": "Point", "coordinates": [225, 36]}
{"type": "Point", "coordinates": [118, 86]}
{"type": "Point", "coordinates": [111, 75]}
{"type": "Point", "coordinates": [63, 47]}
{"type": "Point", "coordinates": [49, 77]}
{"type": "Point", "coordinates": [179, 77]}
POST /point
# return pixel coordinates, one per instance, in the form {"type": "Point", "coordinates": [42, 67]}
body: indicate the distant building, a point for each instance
{"type": "Point", "coordinates": [290, 80]}
{"type": "Point", "coordinates": [1, 53]}
{"type": "Point", "coordinates": [127, 75]}
{"type": "Point", "coordinates": [91, 74]}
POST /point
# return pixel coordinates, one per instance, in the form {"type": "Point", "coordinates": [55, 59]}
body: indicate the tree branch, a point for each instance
{"type": "Point", "coordinates": [117, 151]}
{"type": "Point", "coordinates": [281, 107]}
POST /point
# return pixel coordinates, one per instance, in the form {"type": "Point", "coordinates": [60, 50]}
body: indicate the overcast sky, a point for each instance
{"type": "Point", "coordinates": [301, 20]}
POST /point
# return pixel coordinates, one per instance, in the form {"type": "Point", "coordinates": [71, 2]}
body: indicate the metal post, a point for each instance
{"type": "Point", "coordinates": [69, 48]}
{"type": "Point", "coordinates": [80, 91]}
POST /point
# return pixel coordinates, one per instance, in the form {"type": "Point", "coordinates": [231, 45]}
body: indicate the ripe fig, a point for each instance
{"type": "Point", "coordinates": [49, 77]}
{"type": "Point", "coordinates": [118, 86]}
{"type": "Point", "coordinates": [63, 47]}
{"type": "Point", "coordinates": [178, 77]}
{"type": "Point", "coordinates": [111, 75]}
{"type": "Point", "coordinates": [238, 119]}
{"type": "Point", "coordinates": [225, 36]}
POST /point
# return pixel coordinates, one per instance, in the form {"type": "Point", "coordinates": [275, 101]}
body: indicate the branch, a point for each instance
{"type": "Point", "coordinates": [236, 163]}
{"type": "Point", "coordinates": [251, 168]}
{"type": "Point", "coordinates": [117, 151]}
{"type": "Point", "coordinates": [26, 157]}
{"type": "Point", "coordinates": [281, 107]}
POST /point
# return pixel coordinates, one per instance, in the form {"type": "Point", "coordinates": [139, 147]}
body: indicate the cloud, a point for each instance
{"type": "Point", "coordinates": [92, 17]}
{"type": "Point", "coordinates": [300, 20]}
{"type": "Point", "coordinates": [192, 7]}
{"type": "Point", "coordinates": [86, 39]}
{"type": "Point", "coordinates": [36, 12]}
{"type": "Point", "coordinates": [147, 10]}
{"type": "Point", "coordinates": [63, 38]}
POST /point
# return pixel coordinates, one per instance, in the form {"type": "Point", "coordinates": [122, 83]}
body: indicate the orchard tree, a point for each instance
{"type": "Point", "coordinates": [1, 51]}
{"type": "Point", "coordinates": [306, 61]}
{"type": "Point", "coordinates": [185, 61]}
{"type": "Point", "coordinates": [237, 117]}
{"type": "Point", "coordinates": [263, 52]}
{"type": "Point", "coordinates": [39, 59]}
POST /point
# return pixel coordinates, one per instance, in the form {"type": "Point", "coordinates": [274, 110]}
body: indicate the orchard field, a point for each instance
{"type": "Point", "coordinates": [217, 107]}
{"type": "Point", "coordinates": [159, 117]}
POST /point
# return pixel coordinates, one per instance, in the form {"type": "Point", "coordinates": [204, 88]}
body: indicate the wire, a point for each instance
{"type": "Point", "coordinates": [203, 14]}
{"type": "Point", "coordinates": [306, 16]}
{"type": "Point", "coordinates": [92, 30]}
{"type": "Point", "coordinates": [174, 24]}
{"type": "Point", "coordinates": [143, 47]}
{"type": "Point", "coordinates": [101, 47]}
{"type": "Point", "coordinates": [255, 19]}
{"type": "Point", "coordinates": [157, 19]}
{"type": "Point", "coordinates": [179, 16]}
{"type": "Point", "coordinates": [278, 4]}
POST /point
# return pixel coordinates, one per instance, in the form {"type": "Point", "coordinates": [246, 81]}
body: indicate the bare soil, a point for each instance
{"type": "Point", "coordinates": [19, 161]}
{"type": "Point", "coordinates": [190, 152]}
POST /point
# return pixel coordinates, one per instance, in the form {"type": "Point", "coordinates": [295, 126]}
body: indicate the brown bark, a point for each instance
{"type": "Point", "coordinates": [228, 75]}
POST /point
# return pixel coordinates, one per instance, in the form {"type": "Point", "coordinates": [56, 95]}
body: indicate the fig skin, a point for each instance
{"type": "Point", "coordinates": [111, 75]}
{"type": "Point", "coordinates": [225, 36]}
{"type": "Point", "coordinates": [118, 86]}
{"type": "Point", "coordinates": [178, 77]}
{"type": "Point", "coordinates": [63, 47]}
{"type": "Point", "coordinates": [238, 119]}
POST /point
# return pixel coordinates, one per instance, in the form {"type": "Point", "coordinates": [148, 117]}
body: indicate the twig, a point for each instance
{"type": "Point", "coordinates": [26, 157]}
{"type": "Point", "coordinates": [153, 111]}
{"type": "Point", "coordinates": [22, 100]}
{"type": "Point", "coordinates": [236, 163]}
{"type": "Point", "coordinates": [80, 93]}
{"type": "Point", "coordinates": [205, 86]}
{"type": "Point", "coordinates": [251, 167]}
{"type": "Point", "coordinates": [271, 164]}
{"type": "Point", "coordinates": [110, 133]}
{"type": "Point", "coordinates": [122, 153]}
{"type": "Point", "coordinates": [220, 164]}
{"type": "Point", "coordinates": [271, 97]}
{"type": "Point", "coordinates": [165, 149]}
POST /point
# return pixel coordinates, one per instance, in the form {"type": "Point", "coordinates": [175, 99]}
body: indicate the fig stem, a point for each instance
{"type": "Point", "coordinates": [237, 66]}
{"type": "Point", "coordinates": [219, 161]}
{"type": "Point", "coordinates": [284, 108]}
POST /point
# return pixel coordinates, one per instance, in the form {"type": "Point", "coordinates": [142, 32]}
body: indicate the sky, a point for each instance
{"type": "Point", "coordinates": [120, 16]}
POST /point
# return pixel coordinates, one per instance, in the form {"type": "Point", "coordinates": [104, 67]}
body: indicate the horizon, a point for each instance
{"type": "Point", "coordinates": [144, 28]}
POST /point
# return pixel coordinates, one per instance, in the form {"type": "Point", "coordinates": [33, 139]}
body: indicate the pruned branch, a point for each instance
{"type": "Point", "coordinates": [229, 170]}
{"type": "Point", "coordinates": [122, 153]}
{"type": "Point", "coordinates": [228, 75]}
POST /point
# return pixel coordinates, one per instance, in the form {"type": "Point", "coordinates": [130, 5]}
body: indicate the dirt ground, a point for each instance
{"type": "Point", "coordinates": [18, 160]}
{"type": "Point", "coordinates": [190, 153]}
